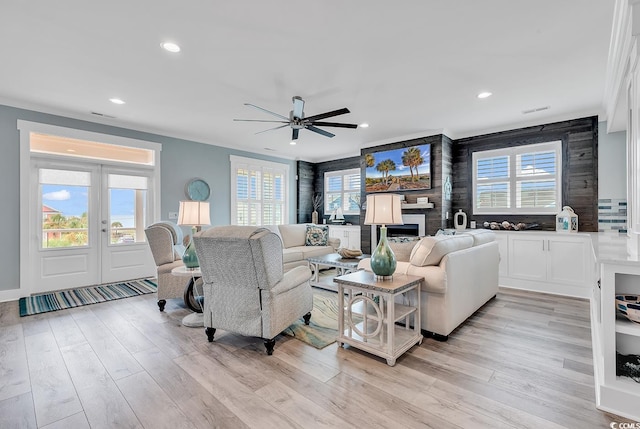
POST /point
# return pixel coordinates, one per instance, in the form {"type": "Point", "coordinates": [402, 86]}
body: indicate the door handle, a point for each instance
{"type": "Point", "coordinates": [104, 229]}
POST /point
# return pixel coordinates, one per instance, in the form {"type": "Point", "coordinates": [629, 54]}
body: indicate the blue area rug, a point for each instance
{"type": "Point", "coordinates": [88, 295]}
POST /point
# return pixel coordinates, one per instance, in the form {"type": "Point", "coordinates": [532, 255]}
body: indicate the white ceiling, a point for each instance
{"type": "Point", "coordinates": [408, 68]}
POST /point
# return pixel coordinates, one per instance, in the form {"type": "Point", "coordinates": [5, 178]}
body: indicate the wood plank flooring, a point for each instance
{"type": "Point", "coordinates": [523, 361]}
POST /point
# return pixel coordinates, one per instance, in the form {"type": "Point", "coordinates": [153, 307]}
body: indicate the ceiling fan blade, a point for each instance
{"type": "Point", "coordinates": [271, 129]}
{"type": "Point", "coordinates": [267, 111]}
{"type": "Point", "coordinates": [260, 120]}
{"type": "Point", "coordinates": [328, 114]}
{"type": "Point", "coordinates": [298, 107]}
{"type": "Point", "coordinates": [294, 136]}
{"type": "Point", "coordinates": [334, 124]}
{"type": "Point", "coordinates": [319, 131]}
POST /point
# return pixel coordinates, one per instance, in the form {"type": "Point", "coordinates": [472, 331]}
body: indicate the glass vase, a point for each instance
{"type": "Point", "coordinates": [383, 260]}
{"type": "Point", "coordinates": [189, 257]}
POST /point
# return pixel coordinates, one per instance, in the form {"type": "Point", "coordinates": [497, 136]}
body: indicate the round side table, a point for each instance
{"type": "Point", "coordinates": [192, 299]}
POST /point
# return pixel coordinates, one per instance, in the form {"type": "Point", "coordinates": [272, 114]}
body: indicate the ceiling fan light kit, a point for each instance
{"type": "Point", "coordinates": [297, 121]}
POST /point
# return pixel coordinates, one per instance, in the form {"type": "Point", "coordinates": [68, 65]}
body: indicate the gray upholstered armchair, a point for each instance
{"type": "Point", "coordinates": [245, 288]}
{"type": "Point", "coordinates": [165, 241]}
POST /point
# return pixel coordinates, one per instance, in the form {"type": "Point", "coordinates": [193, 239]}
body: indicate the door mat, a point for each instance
{"type": "Point", "coordinates": [55, 301]}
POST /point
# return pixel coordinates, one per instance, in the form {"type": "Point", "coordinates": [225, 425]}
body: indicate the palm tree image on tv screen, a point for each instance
{"type": "Point", "coordinates": [404, 169]}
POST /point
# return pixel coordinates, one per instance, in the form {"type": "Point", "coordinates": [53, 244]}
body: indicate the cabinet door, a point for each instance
{"type": "Point", "coordinates": [354, 237]}
{"type": "Point", "coordinates": [503, 248]}
{"type": "Point", "coordinates": [527, 257]}
{"type": "Point", "coordinates": [566, 261]}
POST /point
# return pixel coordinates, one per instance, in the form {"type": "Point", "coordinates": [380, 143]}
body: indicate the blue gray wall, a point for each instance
{"type": "Point", "coordinates": [181, 160]}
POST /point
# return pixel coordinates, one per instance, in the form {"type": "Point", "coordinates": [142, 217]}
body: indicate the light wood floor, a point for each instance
{"type": "Point", "coordinates": [523, 361]}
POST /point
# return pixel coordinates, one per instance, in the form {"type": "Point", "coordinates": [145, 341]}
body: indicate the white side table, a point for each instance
{"type": "Point", "coordinates": [195, 319]}
{"type": "Point", "coordinates": [369, 323]}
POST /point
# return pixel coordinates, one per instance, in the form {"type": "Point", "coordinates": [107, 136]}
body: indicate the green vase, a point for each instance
{"type": "Point", "coordinates": [189, 257]}
{"type": "Point", "coordinates": [383, 260]}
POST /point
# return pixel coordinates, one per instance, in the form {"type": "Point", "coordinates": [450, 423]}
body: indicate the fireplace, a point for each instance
{"type": "Point", "coordinates": [414, 225]}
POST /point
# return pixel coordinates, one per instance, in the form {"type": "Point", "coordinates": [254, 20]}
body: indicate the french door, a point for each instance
{"type": "Point", "coordinates": [87, 223]}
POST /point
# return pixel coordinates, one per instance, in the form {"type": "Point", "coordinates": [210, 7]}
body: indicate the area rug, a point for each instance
{"type": "Point", "coordinates": [55, 301]}
{"type": "Point", "coordinates": [323, 327]}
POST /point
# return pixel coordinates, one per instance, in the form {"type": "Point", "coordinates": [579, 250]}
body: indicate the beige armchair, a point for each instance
{"type": "Point", "coordinates": [245, 288]}
{"type": "Point", "coordinates": [165, 241]}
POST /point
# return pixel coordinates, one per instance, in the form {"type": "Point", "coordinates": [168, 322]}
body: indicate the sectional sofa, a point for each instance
{"type": "Point", "coordinates": [294, 239]}
{"type": "Point", "coordinates": [460, 275]}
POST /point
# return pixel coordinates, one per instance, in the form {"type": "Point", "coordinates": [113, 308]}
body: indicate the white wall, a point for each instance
{"type": "Point", "coordinates": [612, 163]}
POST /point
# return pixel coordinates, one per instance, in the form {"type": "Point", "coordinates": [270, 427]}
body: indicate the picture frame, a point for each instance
{"type": "Point", "coordinates": [401, 169]}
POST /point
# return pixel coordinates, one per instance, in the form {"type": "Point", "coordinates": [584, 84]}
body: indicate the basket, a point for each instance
{"type": "Point", "coordinates": [629, 305]}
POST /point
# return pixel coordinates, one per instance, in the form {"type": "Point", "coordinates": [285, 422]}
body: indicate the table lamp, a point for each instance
{"type": "Point", "coordinates": [383, 210]}
{"type": "Point", "coordinates": [193, 214]}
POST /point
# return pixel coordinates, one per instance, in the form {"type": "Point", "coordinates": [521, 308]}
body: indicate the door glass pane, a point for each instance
{"type": "Point", "coordinates": [127, 208]}
{"type": "Point", "coordinates": [65, 207]}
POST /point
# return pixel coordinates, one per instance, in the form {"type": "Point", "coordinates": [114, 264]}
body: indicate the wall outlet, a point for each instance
{"type": "Point", "coordinates": [173, 215]}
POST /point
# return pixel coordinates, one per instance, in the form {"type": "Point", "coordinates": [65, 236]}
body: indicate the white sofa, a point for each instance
{"type": "Point", "coordinates": [460, 275]}
{"type": "Point", "coordinates": [295, 252]}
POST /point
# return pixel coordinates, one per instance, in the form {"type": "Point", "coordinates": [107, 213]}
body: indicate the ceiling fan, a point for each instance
{"type": "Point", "coordinates": [297, 121]}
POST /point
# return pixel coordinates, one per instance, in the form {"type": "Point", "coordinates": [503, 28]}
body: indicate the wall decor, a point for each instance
{"type": "Point", "coordinates": [403, 169]}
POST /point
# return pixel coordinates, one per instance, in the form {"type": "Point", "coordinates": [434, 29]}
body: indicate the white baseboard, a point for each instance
{"type": "Point", "coordinates": [552, 288]}
{"type": "Point", "coordinates": [10, 295]}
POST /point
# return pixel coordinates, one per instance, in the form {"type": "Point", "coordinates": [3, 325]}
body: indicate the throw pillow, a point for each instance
{"type": "Point", "coordinates": [431, 250]}
{"type": "Point", "coordinates": [317, 235]}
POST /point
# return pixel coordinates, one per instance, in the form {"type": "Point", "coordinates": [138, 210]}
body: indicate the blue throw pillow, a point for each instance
{"type": "Point", "coordinates": [317, 235]}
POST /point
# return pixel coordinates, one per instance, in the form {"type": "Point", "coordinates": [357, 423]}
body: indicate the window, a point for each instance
{"type": "Point", "coordinates": [342, 190]}
{"type": "Point", "coordinates": [258, 192]}
{"type": "Point", "coordinates": [518, 180]}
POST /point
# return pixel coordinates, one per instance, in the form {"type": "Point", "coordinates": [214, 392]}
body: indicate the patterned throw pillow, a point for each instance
{"type": "Point", "coordinates": [317, 235]}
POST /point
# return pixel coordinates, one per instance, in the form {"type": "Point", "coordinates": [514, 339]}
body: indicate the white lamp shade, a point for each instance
{"type": "Point", "coordinates": [383, 209]}
{"type": "Point", "coordinates": [194, 213]}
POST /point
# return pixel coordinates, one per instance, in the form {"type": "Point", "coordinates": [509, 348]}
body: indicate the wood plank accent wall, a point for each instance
{"type": "Point", "coordinates": [447, 171]}
{"type": "Point", "coordinates": [579, 169]}
{"type": "Point", "coordinates": [306, 176]}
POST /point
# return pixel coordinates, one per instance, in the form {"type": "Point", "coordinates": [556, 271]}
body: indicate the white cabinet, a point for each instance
{"type": "Point", "coordinates": [503, 249]}
{"type": "Point", "coordinates": [612, 333]}
{"type": "Point", "coordinates": [349, 235]}
{"type": "Point", "coordinates": [550, 262]}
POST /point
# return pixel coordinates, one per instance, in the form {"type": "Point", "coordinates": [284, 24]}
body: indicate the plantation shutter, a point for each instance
{"type": "Point", "coordinates": [518, 180]}
{"type": "Point", "coordinates": [258, 194]}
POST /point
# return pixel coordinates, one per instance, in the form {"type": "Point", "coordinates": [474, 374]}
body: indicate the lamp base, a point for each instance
{"type": "Point", "coordinates": [383, 260]}
{"type": "Point", "coordinates": [189, 257]}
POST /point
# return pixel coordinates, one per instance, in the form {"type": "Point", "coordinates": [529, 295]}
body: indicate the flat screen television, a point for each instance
{"type": "Point", "coordinates": [404, 169]}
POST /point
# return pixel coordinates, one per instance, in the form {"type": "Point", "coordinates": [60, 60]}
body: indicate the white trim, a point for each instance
{"type": "Point", "coordinates": [26, 128]}
{"type": "Point", "coordinates": [513, 179]}
{"type": "Point", "coordinates": [36, 127]}
{"type": "Point", "coordinates": [341, 173]}
{"type": "Point", "coordinates": [259, 164]}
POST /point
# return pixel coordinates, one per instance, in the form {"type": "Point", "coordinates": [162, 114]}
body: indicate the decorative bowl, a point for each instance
{"type": "Point", "coordinates": [629, 305]}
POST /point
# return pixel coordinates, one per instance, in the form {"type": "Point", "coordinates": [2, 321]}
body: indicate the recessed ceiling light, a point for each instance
{"type": "Point", "coordinates": [293, 143]}
{"type": "Point", "coordinates": [484, 94]}
{"type": "Point", "coordinates": [364, 125]}
{"type": "Point", "coordinates": [170, 46]}
{"type": "Point", "coordinates": [116, 101]}
{"type": "Point", "coordinates": [71, 150]}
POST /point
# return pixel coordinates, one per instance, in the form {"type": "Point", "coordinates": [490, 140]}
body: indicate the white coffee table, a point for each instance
{"type": "Point", "coordinates": [195, 319]}
{"type": "Point", "coordinates": [334, 260]}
